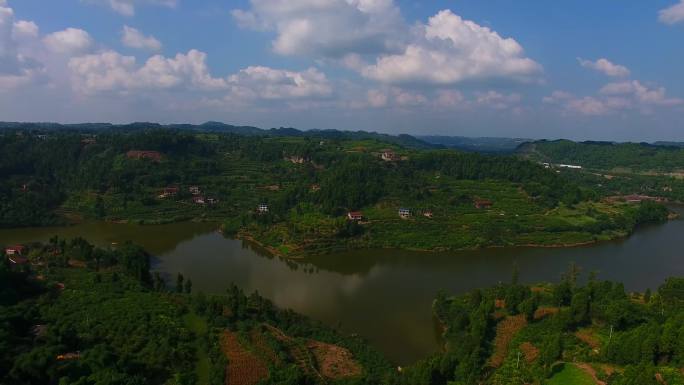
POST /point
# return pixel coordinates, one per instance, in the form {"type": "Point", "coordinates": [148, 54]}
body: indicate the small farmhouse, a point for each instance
{"type": "Point", "coordinates": [198, 200]}
{"type": "Point", "coordinates": [483, 204]}
{"type": "Point", "coordinates": [355, 215]}
{"type": "Point", "coordinates": [263, 208]}
{"type": "Point", "coordinates": [390, 156]}
{"type": "Point", "coordinates": [194, 190]}
{"type": "Point", "coordinates": [15, 250]}
{"type": "Point", "coordinates": [296, 159]}
{"type": "Point", "coordinates": [404, 213]}
{"type": "Point", "coordinates": [428, 214]}
{"type": "Point", "coordinates": [169, 192]}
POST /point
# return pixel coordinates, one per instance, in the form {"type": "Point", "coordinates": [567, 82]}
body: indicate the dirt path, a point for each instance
{"type": "Point", "coordinates": [590, 371]}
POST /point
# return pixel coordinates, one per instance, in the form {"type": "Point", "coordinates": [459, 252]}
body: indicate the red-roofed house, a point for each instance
{"type": "Point", "coordinates": [169, 192]}
{"type": "Point", "coordinates": [15, 250]}
{"type": "Point", "coordinates": [483, 204]}
{"type": "Point", "coordinates": [355, 215]}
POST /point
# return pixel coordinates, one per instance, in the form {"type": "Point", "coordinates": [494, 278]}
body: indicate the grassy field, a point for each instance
{"type": "Point", "coordinates": [198, 325]}
{"type": "Point", "coordinates": [569, 374]}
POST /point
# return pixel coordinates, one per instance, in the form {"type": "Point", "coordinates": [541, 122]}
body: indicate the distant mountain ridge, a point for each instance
{"type": "Point", "coordinates": [218, 127]}
{"type": "Point", "coordinates": [480, 144]}
{"type": "Point", "coordinates": [658, 156]}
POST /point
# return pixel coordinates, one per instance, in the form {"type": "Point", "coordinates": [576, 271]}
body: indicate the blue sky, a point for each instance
{"type": "Point", "coordinates": [609, 70]}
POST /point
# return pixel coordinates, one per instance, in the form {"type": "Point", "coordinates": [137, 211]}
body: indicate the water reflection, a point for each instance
{"type": "Point", "coordinates": [383, 295]}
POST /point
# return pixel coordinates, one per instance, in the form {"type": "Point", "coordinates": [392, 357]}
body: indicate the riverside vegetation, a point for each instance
{"type": "Point", "coordinates": [77, 314]}
{"type": "Point", "coordinates": [617, 168]}
{"type": "Point", "coordinates": [308, 182]}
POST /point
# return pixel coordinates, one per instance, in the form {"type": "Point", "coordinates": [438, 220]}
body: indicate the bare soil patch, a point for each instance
{"type": "Point", "coordinates": [590, 371]}
{"type": "Point", "coordinates": [588, 337]}
{"type": "Point", "coordinates": [530, 352]}
{"type": "Point", "coordinates": [505, 331]}
{"type": "Point", "coordinates": [334, 362]}
{"type": "Point", "coordinates": [543, 312]}
{"type": "Point", "coordinates": [244, 368]}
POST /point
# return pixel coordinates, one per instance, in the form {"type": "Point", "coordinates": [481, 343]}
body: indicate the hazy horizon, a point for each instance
{"type": "Point", "coordinates": [581, 71]}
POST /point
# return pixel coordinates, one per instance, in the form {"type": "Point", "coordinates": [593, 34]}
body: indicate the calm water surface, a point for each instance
{"type": "Point", "coordinates": [383, 295]}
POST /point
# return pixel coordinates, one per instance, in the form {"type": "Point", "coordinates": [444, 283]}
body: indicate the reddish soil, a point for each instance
{"type": "Point", "coordinates": [530, 352]}
{"type": "Point", "coordinates": [544, 312]}
{"type": "Point", "coordinates": [334, 362]}
{"type": "Point", "coordinates": [244, 368]}
{"type": "Point", "coordinates": [505, 331]}
{"type": "Point", "coordinates": [590, 371]}
{"type": "Point", "coordinates": [588, 337]}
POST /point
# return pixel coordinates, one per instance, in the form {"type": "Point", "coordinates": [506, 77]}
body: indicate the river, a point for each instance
{"type": "Point", "coordinates": [383, 295]}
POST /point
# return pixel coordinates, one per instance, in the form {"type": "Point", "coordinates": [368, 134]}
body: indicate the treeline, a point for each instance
{"type": "Point", "coordinates": [607, 156]}
{"type": "Point", "coordinates": [96, 178]}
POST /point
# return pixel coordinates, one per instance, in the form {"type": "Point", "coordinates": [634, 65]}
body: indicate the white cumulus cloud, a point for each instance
{"type": "Point", "coordinates": [128, 7]}
{"type": "Point", "coordinates": [68, 41]}
{"type": "Point", "coordinates": [615, 97]}
{"type": "Point", "coordinates": [16, 68]}
{"type": "Point", "coordinates": [498, 100]}
{"type": "Point", "coordinates": [642, 93]}
{"type": "Point", "coordinates": [260, 82]}
{"type": "Point", "coordinates": [25, 29]}
{"type": "Point", "coordinates": [112, 72]}
{"type": "Point", "coordinates": [605, 66]}
{"type": "Point", "coordinates": [450, 50]}
{"type": "Point", "coordinates": [673, 14]}
{"type": "Point", "coordinates": [326, 28]}
{"type": "Point", "coordinates": [133, 38]}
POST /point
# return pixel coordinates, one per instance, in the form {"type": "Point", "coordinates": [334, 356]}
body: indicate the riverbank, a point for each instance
{"type": "Point", "coordinates": [584, 225]}
{"type": "Point", "coordinates": [393, 287]}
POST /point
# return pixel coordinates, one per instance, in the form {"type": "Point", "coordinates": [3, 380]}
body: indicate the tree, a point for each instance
{"type": "Point", "coordinates": [528, 307]}
{"type": "Point", "coordinates": [579, 307]}
{"type": "Point", "coordinates": [188, 286]}
{"type": "Point", "coordinates": [179, 283]}
{"type": "Point", "coordinates": [551, 350]}
{"type": "Point", "coordinates": [516, 274]}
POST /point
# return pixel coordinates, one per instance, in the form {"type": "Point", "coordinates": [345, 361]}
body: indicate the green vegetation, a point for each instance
{"type": "Point", "coordinates": [309, 183]}
{"type": "Point", "coordinates": [637, 157]}
{"type": "Point", "coordinates": [617, 169]}
{"type": "Point", "coordinates": [558, 334]}
{"type": "Point", "coordinates": [568, 374]}
{"type": "Point", "coordinates": [84, 315]}
{"type": "Point", "coordinates": [77, 314]}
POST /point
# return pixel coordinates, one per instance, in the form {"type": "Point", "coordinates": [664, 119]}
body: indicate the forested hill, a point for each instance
{"type": "Point", "coordinates": [482, 144]}
{"type": "Point", "coordinates": [218, 127]}
{"type": "Point", "coordinates": [72, 313]}
{"type": "Point", "coordinates": [636, 157]}
{"type": "Point", "coordinates": [292, 194]}
{"type": "Point", "coordinates": [562, 334]}
{"type": "Point", "coordinates": [75, 314]}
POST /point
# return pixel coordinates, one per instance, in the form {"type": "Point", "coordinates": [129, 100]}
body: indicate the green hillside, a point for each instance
{"type": "Point", "coordinates": [454, 200]}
